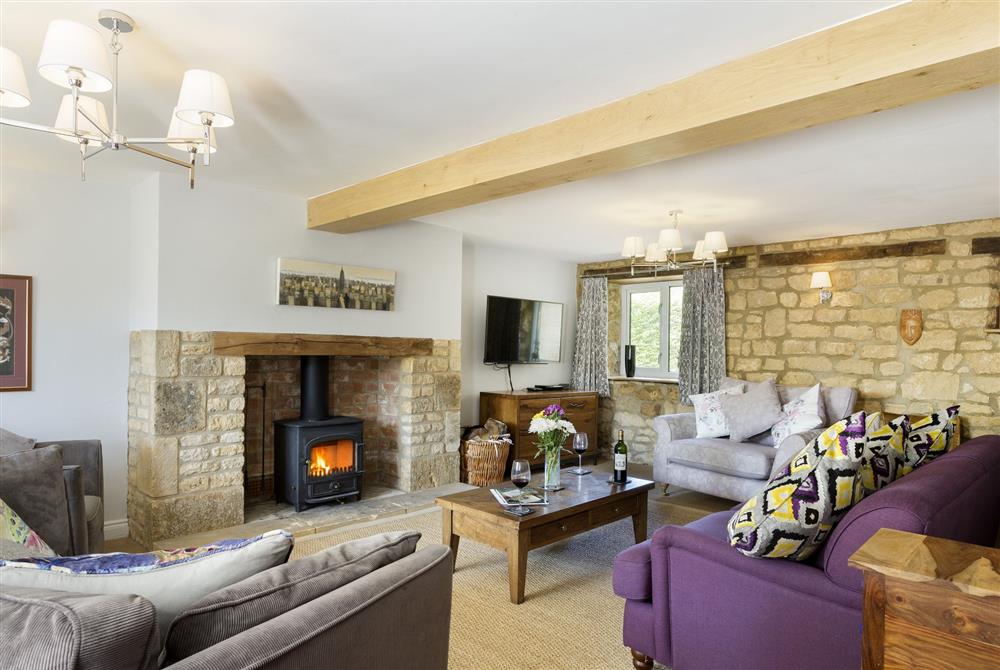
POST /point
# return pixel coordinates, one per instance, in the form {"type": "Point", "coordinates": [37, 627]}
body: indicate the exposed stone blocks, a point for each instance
{"type": "Point", "coordinates": [776, 327]}
{"type": "Point", "coordinates": [185, 435]}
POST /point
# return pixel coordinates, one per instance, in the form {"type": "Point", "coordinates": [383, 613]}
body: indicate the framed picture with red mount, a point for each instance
{"type": "Point", "coordinates": [15, 333]}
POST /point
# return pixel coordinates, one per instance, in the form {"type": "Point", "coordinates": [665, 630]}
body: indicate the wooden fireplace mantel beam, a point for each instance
{"type": "Point", "coordinates": [295, 344]}
{"type": "Point", "coordinates": [904, 54]}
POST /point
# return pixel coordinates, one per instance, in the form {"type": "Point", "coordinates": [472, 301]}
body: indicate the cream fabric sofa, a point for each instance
{"type": "Point", "coordinates": [733, 470]}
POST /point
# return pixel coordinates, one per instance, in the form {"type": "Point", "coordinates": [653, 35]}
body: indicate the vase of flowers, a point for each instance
{"type": "Point", "coordinates": [552, 429]}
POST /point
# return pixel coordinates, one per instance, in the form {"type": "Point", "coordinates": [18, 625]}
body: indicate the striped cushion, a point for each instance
{"type": "Point", "coordinates": [55, 629]}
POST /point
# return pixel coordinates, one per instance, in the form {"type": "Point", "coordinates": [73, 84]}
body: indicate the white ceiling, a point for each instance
{"type": "Point", "coordinates": [328, 94]}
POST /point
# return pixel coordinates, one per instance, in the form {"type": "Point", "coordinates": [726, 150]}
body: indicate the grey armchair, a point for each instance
{"type": "Point", "coordinates": [83, 471]}
{"type": "Point", "coordinates": [58, 489]}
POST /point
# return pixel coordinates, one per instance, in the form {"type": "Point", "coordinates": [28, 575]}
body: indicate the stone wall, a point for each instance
{"type": "Point", "coordinates": [187, 417]}
{"type": "Point", "coordinates": [631, 408]}
{"type": "Point", "coordinates": [185, 442]}
{"type": "Point", "coordinates": [411, 408]}
{"type": "Point", "coordinates": [776, 327]}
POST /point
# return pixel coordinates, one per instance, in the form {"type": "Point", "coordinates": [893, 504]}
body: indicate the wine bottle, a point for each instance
{"type": "Point", "coordinates": [621, 460]}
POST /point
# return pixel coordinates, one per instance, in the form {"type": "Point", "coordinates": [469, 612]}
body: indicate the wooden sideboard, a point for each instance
{"type": "Point", "coordinates": [516, 409]}
{"type": "Point", "coordinates": [930, 603]}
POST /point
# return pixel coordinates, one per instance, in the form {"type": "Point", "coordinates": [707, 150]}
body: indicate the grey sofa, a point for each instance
{"type": "Point", "coordinates": [397, 616]}
{"type": "Point", "coordinates": [727, 469]}
{"type": "Point", "coordinates": [58, 489]}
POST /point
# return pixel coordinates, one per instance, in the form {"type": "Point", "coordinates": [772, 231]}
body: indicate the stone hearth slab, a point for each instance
{"type": "Point", "coordinates": [323, 518]}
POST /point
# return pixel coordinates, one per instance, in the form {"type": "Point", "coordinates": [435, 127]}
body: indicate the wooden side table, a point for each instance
{"type": "Point", "coordinates": [929, 603]}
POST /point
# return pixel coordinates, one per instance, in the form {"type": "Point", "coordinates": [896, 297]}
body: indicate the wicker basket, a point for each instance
{"type": "Point", "coordinates": [485, 461]}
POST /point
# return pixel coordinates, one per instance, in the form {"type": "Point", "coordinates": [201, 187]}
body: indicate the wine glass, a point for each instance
{"type": "Point", "coordinates": [580, 447]}
{"type": "Point", "coordinates": [520, 476]}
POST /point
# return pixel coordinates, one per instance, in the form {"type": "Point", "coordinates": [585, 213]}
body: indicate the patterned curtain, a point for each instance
{"type": "Point", "coordinates": [703, 332]}
{"type": "Point", "coordinates": [590, 360]}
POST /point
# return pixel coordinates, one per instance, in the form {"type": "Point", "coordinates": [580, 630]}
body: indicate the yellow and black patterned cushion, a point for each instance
{"type": "Point", "coordinates": [884, 453]}
{"type": "Point", "coordinates": [929, 438]}
{"type": "Point", "coordinates": [797, 509]}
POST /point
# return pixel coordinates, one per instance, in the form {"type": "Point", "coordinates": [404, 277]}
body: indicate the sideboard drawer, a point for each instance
{"type": "Point", "coordinates": [557, 530]}
{"type": "Point", "coordinates": [579, 404]}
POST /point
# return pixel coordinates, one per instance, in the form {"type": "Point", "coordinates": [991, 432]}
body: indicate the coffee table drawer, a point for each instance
{"type": "Point", "coordinates": [555, 530]}
{"type": "Point", "coordinates": [614, 510]}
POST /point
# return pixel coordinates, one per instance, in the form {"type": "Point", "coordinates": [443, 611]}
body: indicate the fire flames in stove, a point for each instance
{"type": "Point", "coordinates": [330, 459]}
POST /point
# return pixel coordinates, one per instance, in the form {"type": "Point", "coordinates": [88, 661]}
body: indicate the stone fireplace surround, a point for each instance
{"type": "Point", "coordinates": [186, 418]}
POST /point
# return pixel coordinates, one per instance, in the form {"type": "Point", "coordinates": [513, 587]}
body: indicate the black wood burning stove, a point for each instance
{"type": "Point", "coordinates": [319, 458]}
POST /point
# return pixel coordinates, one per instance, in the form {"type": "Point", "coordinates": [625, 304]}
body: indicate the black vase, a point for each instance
{"type": "Point", "coordinates": [630, 360]}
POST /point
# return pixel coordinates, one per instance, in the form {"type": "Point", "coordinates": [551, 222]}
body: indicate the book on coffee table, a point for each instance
{"type": "Point", "coordinates": [514, 497]}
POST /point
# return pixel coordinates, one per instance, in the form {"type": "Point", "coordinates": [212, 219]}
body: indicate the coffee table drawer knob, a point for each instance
{"type": "Point", "coordinates": [618, 509]}
{"type": "Point", "coordinates": [562, 527]}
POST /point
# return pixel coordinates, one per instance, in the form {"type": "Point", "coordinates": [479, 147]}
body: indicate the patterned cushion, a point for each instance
{"type": "Point", "coordinates": [929, 438]}
{"type": "Point", "coordinates": [804, 412]}
{"type": "Point", "coordinates": [750, 413]}
{"type": "Point", "coordinates": [709, 419]}
{"type": "Point", "coordinates": [883, 454]}
{"type": "Point", "coordinates": [172, 580]}
{"type": "Point", "coordinates": [794, 513]}
{"type": "Point", "coordinates": [17, 540]}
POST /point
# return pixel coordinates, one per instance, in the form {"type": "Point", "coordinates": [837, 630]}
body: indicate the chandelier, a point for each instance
{"type": "Point", "coordinates": [73, 56]}
{"type": "Point", "coordinates": [661, 256]}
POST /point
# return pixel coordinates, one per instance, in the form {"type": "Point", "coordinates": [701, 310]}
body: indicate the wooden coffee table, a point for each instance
{"type": "Point", "coordinates": [586, 503]}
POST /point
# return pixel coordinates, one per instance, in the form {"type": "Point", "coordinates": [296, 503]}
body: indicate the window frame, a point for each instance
{"type": "Point", "coordinates": [663, 286]}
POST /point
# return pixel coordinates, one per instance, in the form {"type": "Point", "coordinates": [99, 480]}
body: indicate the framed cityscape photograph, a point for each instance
{"type": "Point", "coordinates": [318, 284]}
{"type": "Point", "coordinates": [15, 333]}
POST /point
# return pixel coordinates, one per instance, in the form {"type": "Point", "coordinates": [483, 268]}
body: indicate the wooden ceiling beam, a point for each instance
{"type": "Point", "coordinates": [903, 54]}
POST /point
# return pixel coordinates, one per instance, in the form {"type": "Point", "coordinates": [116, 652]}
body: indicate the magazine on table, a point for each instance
{"type": "Point", "coordinates": [513, 497]}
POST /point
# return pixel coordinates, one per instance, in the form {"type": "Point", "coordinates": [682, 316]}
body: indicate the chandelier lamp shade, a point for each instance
{"type": "Point", "coordinates": [661, 256]}
{"type": "Point", "coordinates": [634, 247]}
{"type": "Point", "coordinates": [13, 86]}
{"type": "Point", "coordinates": [180, 128]}
{"type": "Point", "coordinates": [75, 57]}
{"type": "Point", "coordinates": [204, 95]}
{"type": "Point", "coordinates": [91, 119]}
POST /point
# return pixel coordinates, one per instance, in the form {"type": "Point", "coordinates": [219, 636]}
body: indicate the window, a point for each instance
{"type": "Point", "coordinates": [651, 320]}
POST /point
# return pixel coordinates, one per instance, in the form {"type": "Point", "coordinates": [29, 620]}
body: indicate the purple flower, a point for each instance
{"type": "Point", "coordinates": [554, 411]}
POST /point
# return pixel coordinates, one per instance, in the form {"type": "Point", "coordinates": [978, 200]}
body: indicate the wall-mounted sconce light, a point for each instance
{"type": "Point", "coordinates": [821, 280]}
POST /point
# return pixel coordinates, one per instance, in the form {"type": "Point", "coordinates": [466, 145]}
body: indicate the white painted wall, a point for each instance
{"type": "Point", "coordinates": [143, 259]}
{"type": "Point", "coordinates": [218, 254]}
{"type": "Point", "coordinates": [109, 257]}
{"type": "Point", "coordinates": [494, 270]}
{"type": "Point", "coordinates": [72, 237]}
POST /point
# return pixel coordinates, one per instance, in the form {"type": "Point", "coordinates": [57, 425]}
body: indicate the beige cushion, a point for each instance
{"type": "Point", "coordinates": [172, 581]}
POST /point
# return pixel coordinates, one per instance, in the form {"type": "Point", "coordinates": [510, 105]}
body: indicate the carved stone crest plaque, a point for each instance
{"type": "Point", "coordinates": [911, 325]}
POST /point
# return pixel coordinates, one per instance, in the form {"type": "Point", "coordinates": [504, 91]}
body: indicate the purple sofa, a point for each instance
{"type": "Point", "coordinates": [692, 601]}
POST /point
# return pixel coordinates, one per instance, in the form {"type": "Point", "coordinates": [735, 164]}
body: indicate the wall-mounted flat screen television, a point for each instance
{"type": "Point", "coordinates": [523, 331]}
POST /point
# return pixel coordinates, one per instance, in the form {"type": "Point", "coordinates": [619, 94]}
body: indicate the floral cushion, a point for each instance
{"type": "Point", "coordinates": [802, 413]}
{"type": "Point", "coordinates": [171, 579]}
{"type": "Point", "coordinates": [929, 438]}
{"type": "Point", "coordinates": [797, 509]}
{"type": "Point", "coordinates": [710, 421]}
{"type": "Point", "coordinates": [881, 462]}
{"type": "Point", "coordinates": [17, 540]}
